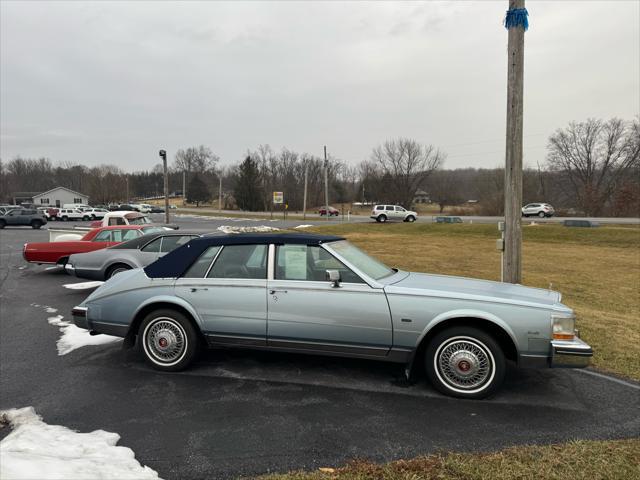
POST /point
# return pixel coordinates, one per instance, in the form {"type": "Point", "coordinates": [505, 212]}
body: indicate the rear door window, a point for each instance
{"type": "Point", "coordinates": [104, 236]}
{"type": "Point", "coordinates": [174, 241]}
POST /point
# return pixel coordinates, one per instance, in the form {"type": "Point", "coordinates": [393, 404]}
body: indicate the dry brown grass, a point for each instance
{"type": "Point", "coordinates": [597, 271]}
{"type": "Point", "coordinates": [583, 460]}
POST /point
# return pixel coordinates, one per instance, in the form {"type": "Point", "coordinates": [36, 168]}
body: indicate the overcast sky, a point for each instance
{"type": "Point", "coordinates": [112, 82]}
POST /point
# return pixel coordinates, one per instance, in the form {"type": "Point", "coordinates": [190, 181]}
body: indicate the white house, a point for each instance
{"type": "Point", "coordinates": [57, 197]}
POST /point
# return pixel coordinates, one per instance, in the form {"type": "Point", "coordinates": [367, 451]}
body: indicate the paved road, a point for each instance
{"type": "Point", "coordinates": [315, 219]}
{"type": "Point", "coordinates": [242, 412]}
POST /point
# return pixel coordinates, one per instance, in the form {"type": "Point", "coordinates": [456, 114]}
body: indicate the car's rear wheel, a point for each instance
{"type": "Point", "coordinates": [116, 269]}
{"type": "Point", "coordinates": [36, 224]}
{"type": "Point", "coordinates": [541, 214]}
{"type": "Point", "coordinates": [168, 339]}
{"type": "Point", "coordinates": [411, 219]}
{"type": "Point", "coordinates": [381, 218]}
{"type": "Point", "coordinates": [465, 362]}
{"type": "Point", "coordinates": [2, 224]}
{"type": "Point", "coordinates": [65, 218]}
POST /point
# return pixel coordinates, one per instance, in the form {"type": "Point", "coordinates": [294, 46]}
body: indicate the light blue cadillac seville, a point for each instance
{"type": "Point", "coordinates": [320, 294]}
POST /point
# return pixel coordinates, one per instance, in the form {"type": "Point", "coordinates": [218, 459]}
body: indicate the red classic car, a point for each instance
{"type": "Point", "coordinates": [58, 252]}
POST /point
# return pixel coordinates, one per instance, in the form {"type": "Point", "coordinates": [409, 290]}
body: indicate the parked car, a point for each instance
{"type": "Point", "coordinates": [22, 217]}
{"type": "Point", "coordinates": [444, 219]}
{"type": "Point", "coordinates": [66, 214]}
{"type": "Point", "coordinates": [5, 208]}
{"type": "Point", "coordinates": [384, 213]}
{"type": "Point", "coordinates": [319, 294]}
{"type": "Point", "coordinates": [122, 218]}
{"type": "Point", "coordinates": [59, 252]}
{"type": "Point", "coordinates": [538, 210]}
{"type": "Point", "coordinates": [138, 252]}
{"type": "Point", "coordinates": [172, 207]}
{"type": "Point", "coordinates": [80, 206]}
{"type": "Point", "coordinates": [333, 212]}
{"type": "Point", "coordinates": [157, 210]}
{"type": "Point", "coordinates": [95, 213]}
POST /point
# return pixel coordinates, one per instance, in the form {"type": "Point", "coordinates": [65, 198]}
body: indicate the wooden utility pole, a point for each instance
{"type": "Point", "coordinates": [304, 196]}
{"type": "Point", "coordinates": [220, 192]}
{"type": "Point", "coordinates": [326, 184]}
{"type": "Point", "coordinates": [184, 187]}
{"type": "Point", "coordinates": [516, 23]}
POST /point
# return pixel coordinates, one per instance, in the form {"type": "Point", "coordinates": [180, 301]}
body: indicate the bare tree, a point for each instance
{"type": "Point", "coordinates": [595, 156]}
{"type": "Point", "coordinates": [195, 159]}
{"type": "Point", "coordinates": [405, 165]}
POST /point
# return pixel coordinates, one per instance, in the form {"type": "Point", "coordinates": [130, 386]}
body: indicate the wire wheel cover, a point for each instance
{"type": "Point", "coordinates": [165, 340]}
{"type": "Point", "coordinates": [464, 363]}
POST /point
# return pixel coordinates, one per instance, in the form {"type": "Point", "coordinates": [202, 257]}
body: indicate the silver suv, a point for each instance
{"type": "Point", "coordinates": [384, 213]}
{"type": "Point", "coordinates": [538, 210]}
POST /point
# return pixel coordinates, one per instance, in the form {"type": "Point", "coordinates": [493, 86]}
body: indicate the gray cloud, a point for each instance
{"type": "Point", "coordinates": [98, 82]}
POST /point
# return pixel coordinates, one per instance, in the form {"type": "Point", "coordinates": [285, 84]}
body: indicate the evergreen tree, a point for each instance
{"type": "Point", "coordinates": [197, 191]}
{"type": "Point", "coordinates": [247, 187]}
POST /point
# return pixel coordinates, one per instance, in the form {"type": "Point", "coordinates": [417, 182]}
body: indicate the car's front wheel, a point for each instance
{"type": "Point", "coordinates": [36, 224]}
{"type": "Point", "coordinates": [168, 339]}
{"type": "Point", "coordinates": [465, 362]}
{"type": "Point", "coordinates": [410, 219]}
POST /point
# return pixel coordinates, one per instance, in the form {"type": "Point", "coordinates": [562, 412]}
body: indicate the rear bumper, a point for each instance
{"type": "Point", "coordinates": [570, 353]}
{"type": "Point", "coordinates": [69, 268]}
{"type": "Point", "coordinates": [79, 315]}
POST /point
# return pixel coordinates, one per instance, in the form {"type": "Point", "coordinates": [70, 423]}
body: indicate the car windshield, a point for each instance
{"type": "Point", "coordinates": [363, 262]}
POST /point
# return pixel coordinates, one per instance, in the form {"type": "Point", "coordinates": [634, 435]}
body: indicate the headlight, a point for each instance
{"type": "Point", "coordinates": [563, 327]}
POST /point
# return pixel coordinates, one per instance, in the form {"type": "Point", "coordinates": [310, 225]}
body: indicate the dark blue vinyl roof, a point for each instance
{"type": "Point", "coordinates": [175, 263]}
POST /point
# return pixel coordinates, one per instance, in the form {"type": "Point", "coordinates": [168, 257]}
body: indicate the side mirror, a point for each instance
{"type": "Point", "coordinates": [333, 276]}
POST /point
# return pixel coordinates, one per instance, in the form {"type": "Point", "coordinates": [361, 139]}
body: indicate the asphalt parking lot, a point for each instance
{"type": "Point", "coordinates": [243, 412]}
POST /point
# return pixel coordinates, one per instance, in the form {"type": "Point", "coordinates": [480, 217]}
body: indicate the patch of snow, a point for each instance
{"type": "Point", "coordinates": [73, 337]}
{"type": "Point", "coordinates": [35, 449]}
{"type": "Point", "coordinates": [56, 267]}
{"type": "Point", "coordinates": [259, 228]}
{"type": "Point", "coordinates": [22, 267]}
{"type": "Point", "coordinates": [51, 310]}
{"type": "Point", "coordinates": [304, 226]}
{"type": "Point", "coordinates": [82, 285]}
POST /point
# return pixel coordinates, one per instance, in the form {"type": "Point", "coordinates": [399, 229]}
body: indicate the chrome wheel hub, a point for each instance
{"type": "Point", "coordinates": [464, 364]}
{"type": "Point", "coordinates": [165, 340]}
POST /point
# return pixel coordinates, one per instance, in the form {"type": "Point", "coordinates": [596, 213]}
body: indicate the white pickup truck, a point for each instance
{"type": "Point", "coordinates": [111, 218]}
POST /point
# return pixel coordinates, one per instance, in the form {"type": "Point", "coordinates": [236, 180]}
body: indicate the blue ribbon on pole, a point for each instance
{"type": "Point", "coordinates": [517, 17]}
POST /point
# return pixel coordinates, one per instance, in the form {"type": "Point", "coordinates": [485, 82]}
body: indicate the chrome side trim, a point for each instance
{"type": "Point", "coordinates": [311, 346]}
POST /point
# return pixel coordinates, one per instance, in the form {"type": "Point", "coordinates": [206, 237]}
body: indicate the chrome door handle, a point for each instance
{"type": "Point", "coordinates": [193, 289]}
{"type": "Point", "coordinates": [273, 291]}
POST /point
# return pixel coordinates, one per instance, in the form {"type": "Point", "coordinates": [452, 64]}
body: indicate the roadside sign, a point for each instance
{"type": "Point", "coordinates": [278, 197]}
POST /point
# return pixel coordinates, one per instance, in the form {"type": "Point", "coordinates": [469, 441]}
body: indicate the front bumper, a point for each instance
{"type": "Point", "coordinates": [570, 353]}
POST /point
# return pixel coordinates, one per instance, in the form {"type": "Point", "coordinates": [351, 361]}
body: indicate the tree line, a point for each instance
{"type": "Point", "coordinates": [591, 167]}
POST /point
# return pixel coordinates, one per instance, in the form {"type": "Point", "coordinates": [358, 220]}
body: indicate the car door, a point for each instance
{"type": "Point", "coordinates": [229, 295]}
{"type": "Point", "coordinates": [306, 312]}
{"type": "Point", "coordinates": [13, 217]}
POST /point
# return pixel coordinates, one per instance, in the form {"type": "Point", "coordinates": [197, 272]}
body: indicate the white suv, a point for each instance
{"type": "Point", "coordinates": [70, 214]}
{"type": "Point", "coordinates": [538, 210]}
{"type": "Point", "coordinates": [384, 213]}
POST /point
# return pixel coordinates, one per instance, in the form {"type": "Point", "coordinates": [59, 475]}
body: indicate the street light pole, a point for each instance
{"type": "Point", "coordinates": [326, 184]}
{"type": "Point", "coordinates": [163, 155]}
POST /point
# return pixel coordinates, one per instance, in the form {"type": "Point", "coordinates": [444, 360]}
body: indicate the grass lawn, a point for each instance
{"type": "Point", "coordinates": [597, 271]}
{"type": "Point", "coordinates": [583, 460]}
